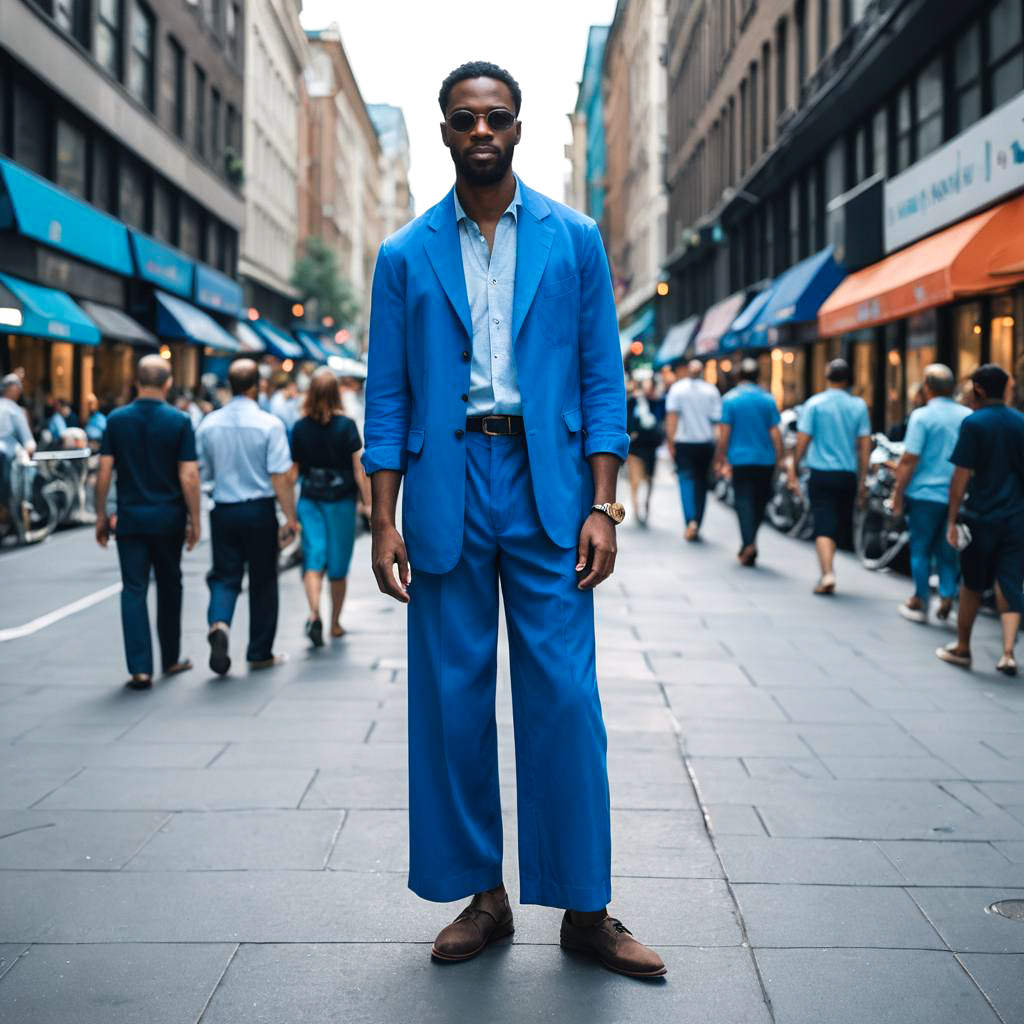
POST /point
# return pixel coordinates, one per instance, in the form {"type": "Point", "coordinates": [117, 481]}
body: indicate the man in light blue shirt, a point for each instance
{"type": "Point", "coordinates": [834, 432]}
{"type": "Point", "coordinates": [750, 443]}
{"type": "Point", "coordinates": [245, 452]}
{"type": "Point", "coordinates": [922, 478]}
{"type": "Point", "coordinates": [490, 287]}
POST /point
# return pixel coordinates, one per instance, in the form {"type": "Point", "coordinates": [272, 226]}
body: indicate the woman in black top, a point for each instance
{"type": "Point", "coordinates": [326, 448]}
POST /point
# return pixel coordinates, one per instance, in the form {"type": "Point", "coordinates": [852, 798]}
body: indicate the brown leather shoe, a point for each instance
{"type": "Point", "coordinates": [612, 943]}
{"type": "Point", "coordinates": [473, 929]}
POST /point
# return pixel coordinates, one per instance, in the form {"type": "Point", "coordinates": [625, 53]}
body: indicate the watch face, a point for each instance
{"type": "Point", "coordinates": [617, 511]}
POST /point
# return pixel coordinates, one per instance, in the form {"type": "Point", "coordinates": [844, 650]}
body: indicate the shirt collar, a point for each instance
{"type": "Point", "coordinates": [513, 207]}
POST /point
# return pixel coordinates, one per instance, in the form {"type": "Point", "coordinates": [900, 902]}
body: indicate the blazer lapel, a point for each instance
{"type": "Point", "coordinates": [533, 243]}
{"type": "Point", "coordinates": [445, 254]}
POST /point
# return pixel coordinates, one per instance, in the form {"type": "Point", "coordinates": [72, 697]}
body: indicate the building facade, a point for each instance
{"type": "Point", "coordinates": [396, 200]}
{"type": "Point", "coordinates": [120, 136]}
{"type": "Point", "coordinates": [812, 146]}
{"type": "Point", "coordinates": [587, 152]}
{"type": "Point", "coordinates": [276, 58]}
{"type": "Point", "coordinates": [344, 160]}
{"type": "Point", "coordinates": [635, 199]}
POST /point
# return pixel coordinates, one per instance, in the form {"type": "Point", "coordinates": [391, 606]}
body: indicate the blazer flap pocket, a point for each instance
{"type": "Point", "coordinates": [414, 441]}
{"type": "Point", "coordinates": [573, 420]}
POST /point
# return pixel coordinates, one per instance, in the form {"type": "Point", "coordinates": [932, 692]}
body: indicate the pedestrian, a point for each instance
{"type": "Point", "coordinates": [644, 413]}
{"type": "Point", "coordinates": [284, 403]}
{"type": "Point", "coordinates": [834, 432]}
{"type": "Point", "coordinates": [496, 387]}
{"type": "Point", "coordinates": [326, 447]}
{"type": "Point", "coordinates": [244, 451]}
{"type": "Point", "coordinates": [923, 475]}
{"type": "Point", "coordinates": [693, 406]}
{"type": "Point", "coordinates": [14, 432]}
{"type": "Point", "coordinates": [989, 468]}
{"type": "Point", "coordinates": [95, 423]}
{"type": "Point", "coordinates": [749, 450]}
{"type": "Point", "coordinates": [151, 447]}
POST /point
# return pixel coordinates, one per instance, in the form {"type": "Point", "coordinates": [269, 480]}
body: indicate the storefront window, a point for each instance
{"type": "Point", "coordinates": [921, 351]}
{"type": "Point", "coordinates": [787, 377]}
{"type": "Point", "coordinates": [967, 339]}
{"type": "Point", "coordinates": [864, 354]}
{"type": "Point", "coordinates": [1001, 332]}
{"type": "Point", "coordinates": [62, 362]}
{"type": "Point", "coordinates": [822, 353]}
{"type": "Point", "coordinates": [895, 379]}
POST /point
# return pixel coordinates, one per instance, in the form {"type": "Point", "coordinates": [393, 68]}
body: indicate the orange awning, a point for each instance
{"type": "Point", "coordinates": [980, 254]}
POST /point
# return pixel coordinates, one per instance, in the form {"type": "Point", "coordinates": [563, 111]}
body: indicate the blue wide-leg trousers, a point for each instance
{"type": "Point", "coordinates": [455, 825]}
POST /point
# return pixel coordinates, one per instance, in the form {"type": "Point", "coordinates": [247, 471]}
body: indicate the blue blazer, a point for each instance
{"type": "Point", "coordinates": [568, 364]}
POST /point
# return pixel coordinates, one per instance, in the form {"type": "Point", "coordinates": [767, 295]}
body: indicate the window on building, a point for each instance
{"type": "Point", "coordinates": [131, 192]}
{"type": "Point", "coordinates": [755, 121]}
{"type": "Point", "coordinates": [823, 9]}
{"type": "Point", "coordinates": [174, 87]}
{"type": "Point", "coordinates": [31, 129]}
{"type": "Point", "coordinates": [233, 130]}
{"type": "Point", "coordinates": [164, 221]}
{"type": "Point", "coordinates": [731, 142]}
{"type": "Point", "coordinates": [199, 122]}
{"type": "Point", "coordinates": [795, 206]}
{"type": "Point", "coordinates": [835, 170]}
{"type": "Point", "coordinates": [101, 181]}
{"type": "Point", "coordinates": [880, 142]}
{"type": "Point", "coordinates": [188, 228]}
{"type": "Point", "coordinates": [216, 138]}
{"type": "Point", "coordinates": [70, 161]}
{"type": "Point", "coordinates": [1005, 52]}
{"type": "Point", "coordinates": [800, 19]}
{"type": "Point", "coordinates": [904, 130]}
{"type": "Point", "coordinates": [967, 78]}
{"type": "Point", "coordinates": [140, 57]}
{"type": "Point", "coordinates": [846, 13]}
{"type": "Point", "coordinates": [766, 98]}
{"type": "Point", "coordinates": [928, 88]}
{"type": "Point", "coordinates": [232, 28]}
{"type": "Point", "coordinates": [744, 123]}
{"type": "Point", "coordinates": [781, 69]}
{"type": "Point", "coordinates": [109, 18]}
{"type": "Point", "coordinates": [73, 17]}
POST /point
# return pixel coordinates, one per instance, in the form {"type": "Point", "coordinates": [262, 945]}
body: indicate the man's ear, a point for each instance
{"type": "Point", "coordinates": [444, 134]}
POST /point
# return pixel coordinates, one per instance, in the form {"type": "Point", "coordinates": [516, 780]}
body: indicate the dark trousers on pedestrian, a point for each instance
{"type": "Point", "coordinates": [244, 536]}
{"type": "Point", "coordinates": [752, 487]}
{"type": "Point", "coordinates": [140, 555]}
{"type": "Point", "coordinates": [693, 463]}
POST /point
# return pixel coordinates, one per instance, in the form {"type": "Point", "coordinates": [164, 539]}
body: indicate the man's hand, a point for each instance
{"type": "Point", "coordinates": [389, 550]}
{"type": "Point", "coordinates": [102, 530]}
{"type": "Point", "coordinates": [191, 534]}
{"type": "Point", "coordinates": [896, 505]}
{"type": "Point", "coordinates": [793, 481]}
{"type": "Point", "coordinates": [598, 546]}
{"type": "Point", "coordinates": [862, 492]}
{"type": "Point", "coordinates": [288, 532]}
{"type": "Point", "coordinates": [951, 537]}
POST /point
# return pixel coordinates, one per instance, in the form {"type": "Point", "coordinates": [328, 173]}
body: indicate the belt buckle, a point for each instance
{"type": "Point", "coordinates": [493, 433]}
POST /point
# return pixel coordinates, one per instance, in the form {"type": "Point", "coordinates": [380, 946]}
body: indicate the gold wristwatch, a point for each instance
{"type": "Point", "coordinates": [612, 509]}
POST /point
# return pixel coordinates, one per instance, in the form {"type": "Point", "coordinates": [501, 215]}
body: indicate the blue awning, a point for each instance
{"type": "Point", "coordinates": [178, 319]}
{"type": "Point", "coordinates": [313, 346]}
{"type": "Point", "coordinates": [217, 291]}
{"type": "Point", "coordinates": [251, 342]}
{"type": "Point", "coordinates": [161, 265]}
{"type": "Point", "coordinates": [643, 324]}
{"type": "Point", "coordinates": [678, 338]}
{"type": "Point", "coordinates": [43, 312]}
{"type": "Point", "coordinates": [798, 295]}
{"type": "Point", "coordinates": [35, 208]}
{"type": "Point", "coordinates": [278, 342]}
{"type": "Point", "coordinates": [739, 334]}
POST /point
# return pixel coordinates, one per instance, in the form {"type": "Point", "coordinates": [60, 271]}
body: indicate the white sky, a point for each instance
{"type": "Point", "coordinates": [401, 50]}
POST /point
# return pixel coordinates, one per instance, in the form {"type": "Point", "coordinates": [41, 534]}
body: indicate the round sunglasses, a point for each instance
{"type": "Point", "coordinates": [499, 120]}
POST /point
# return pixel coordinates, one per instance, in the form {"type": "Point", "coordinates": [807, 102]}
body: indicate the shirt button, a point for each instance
{"type": "Point", "coordinates": [497, 321]}
{"type": "Point", "coordinates": [494, 280]}
{"type": "Point", "coordinates": [465, 357]}
{"type": "Point", "coordinates": [459, 434]}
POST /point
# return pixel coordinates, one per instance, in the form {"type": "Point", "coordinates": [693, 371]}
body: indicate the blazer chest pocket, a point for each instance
{"type": "Point", "coordinates": [559, 287]}
{"type": "Point", "coordinates": [414, 441]}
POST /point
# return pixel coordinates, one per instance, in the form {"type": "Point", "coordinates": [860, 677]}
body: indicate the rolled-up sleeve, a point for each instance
{"type": "Point", "coordinates": [387, 384]}
{"type": "Point", "coordinates": [603, 385]}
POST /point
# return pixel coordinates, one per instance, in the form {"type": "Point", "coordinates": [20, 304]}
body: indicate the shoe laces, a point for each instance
{"type": "Point", "coordinates": [618, 926]}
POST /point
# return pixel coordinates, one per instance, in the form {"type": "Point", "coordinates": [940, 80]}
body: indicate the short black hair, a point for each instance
{"type": "Point", "coordinates": [750, 370]}
{"type": "Point", "coordinates": [479, 69]}
{"type": "Point", "coordinates": [243, 376]}
{"type": "Point", "coordinates": [991, 379]}
{"type": "Point", "coordinates": [838, 372]}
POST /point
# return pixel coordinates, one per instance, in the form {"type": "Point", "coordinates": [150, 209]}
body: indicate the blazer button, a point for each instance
{"type": "Point", "coordinates": [459, 434]}
{"type": "Point", "coordinates": [465, 357]}
{"type": "Point", "coordinates": [465, 398]}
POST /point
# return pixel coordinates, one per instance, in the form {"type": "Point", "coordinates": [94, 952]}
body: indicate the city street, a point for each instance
{"type": "Point", "coordinates": [811, 815]}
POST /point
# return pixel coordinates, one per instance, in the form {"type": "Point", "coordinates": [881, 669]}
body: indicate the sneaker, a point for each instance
{"type": "Point", "coordinates": [220, 661]}
{"type": "Point", "coordinates": [918, 615]}
{"type": "Point", "coordinates": [315, 632]}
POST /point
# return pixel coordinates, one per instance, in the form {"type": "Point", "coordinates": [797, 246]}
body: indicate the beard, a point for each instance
{"type": "Point", "coordinates": [483, 176]}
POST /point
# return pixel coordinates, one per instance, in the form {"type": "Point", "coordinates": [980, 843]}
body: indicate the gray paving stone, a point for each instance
{"type": "Point", "coordinates": [73, 840]}
{"type": "Point", "coordinates": [953, 863]}
{"type": "Point", "coordinates": [372, 840]}
{"type": "Point", "coordinates": [662, 844]}
{"type": "Point", "coordinates": [113, 755]}
{"type": "Point", "coordinates": [361, 787]}
{"type": "Point", "coordinates": [722, 702]}
{"type": "Point", "coordinates": [961, 918]}
{"type": "Point", "coordinates": [853, 740]}
{"type": "Point", "coordinates": [734, 820]}
{"type": "Point", "coordinates": [825, 704]}
{"type": "Point", "coordinates": [880, 986]}
{"type": "Point", "coordinates": [9, 953]}
{"type": "Point", "coordinates": [23, 787]}
{"type": "Point", "coordinates": [896, 768]}
{"type": "Point", "coordinates": [785, 768]}
{"type": "Point", "coordinates": [1001, 978]}
{"type": "Point", "coordinates": [300, 984]}
{"type": "Point", "coordinates": [690, 671]}
{"type": "Point", "coordinates": [240, 840]}
{"type": "Point", "coordinates": [180, 789]}
{"type": "Point", "coordinates": [727, 742]}
{"type": "Point", "coordinates": [316, 754]}
{"type": "Point", "coordinates": [238, 728]}
{"type": "Point", "coordinates": [830, 915]}
{"type": "Point", "coordinates": [639, 795]}
{"type": "Point", "coordinates": [117, 984]}
{"type": "Point", "coordinates": [806, 861]}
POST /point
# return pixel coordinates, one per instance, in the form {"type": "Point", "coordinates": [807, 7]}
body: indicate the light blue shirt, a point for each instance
{"type": "Point", "coordinates": [96, 426]}
{"type": "Point", "coordinates": [490, 287]}
{"type": "Point", "coordinates": [239, 446]}
{"type": "Point", "coordinates": [14, 428]}
{"type": "Point", "coordinates": [931, 435]}
{"type": "Point", "coordinates": [751, 413]}
{"type": "Point", "coordinates": [835, 419]}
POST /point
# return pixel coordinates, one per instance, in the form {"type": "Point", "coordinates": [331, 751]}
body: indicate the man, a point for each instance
{"type": "Point", "coordinates": [692, 408]}
{"type": "Point", "coordinates": [923, 475]}
{"type": "Point", "coordinates": [495, 386]}
{"type": "Point", "coordinates": [244, 451]}
{"type": "Point", "coordinates": [750, 447]}
{"type": "Point", "coordinates": [14, 431]}
{"type": "Point", "coordinates": [284, 403]}
{"type": "Point", "coordinates": [989, 456]}
{"type": "Point", "coordinates": [834, 432]}
{"type": "Point", "coordinates": [152, 448]}
{"type": "Point", "coordinates": [96, 422]}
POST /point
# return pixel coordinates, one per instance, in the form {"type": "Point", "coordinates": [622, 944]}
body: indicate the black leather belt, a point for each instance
{"type": "Point", "coordinates": [495, 426]}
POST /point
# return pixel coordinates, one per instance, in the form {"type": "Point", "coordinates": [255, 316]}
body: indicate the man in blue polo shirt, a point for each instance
{"type": "Point", "coordinates": [834, 432]}
{"type": "Point", "coordinates": [750, 443]}
{"type": "Point", "coordinates": [151, 446]}
{"type": "Point", "coordinates": [922, 478]}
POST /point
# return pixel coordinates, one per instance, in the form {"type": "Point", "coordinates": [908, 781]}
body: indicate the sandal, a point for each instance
{"type": "Point", "coordinates": [826, 585]}
{"type": "Point", "coordinates": [949, 655]}
{"type": "Point", "coordinates": [315, 631]}
{"type": "Point", "coordinates": [1007, 664]}
{"type": "Point", "coordinates": [178, 667]}
{"type": "Point", "coordinates": [139, 681]}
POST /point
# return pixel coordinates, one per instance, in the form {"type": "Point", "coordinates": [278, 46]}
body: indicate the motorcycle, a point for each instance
{"type": "Point", "coordinates": [880, 537]}
{"type": "Point", "coordinates": [790, 512]}
{"type": "Point", "coordinates": [46, 490]}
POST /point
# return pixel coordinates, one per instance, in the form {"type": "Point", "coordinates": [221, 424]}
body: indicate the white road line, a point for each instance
{"type": "Point", "coordinates": [17, 632]}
